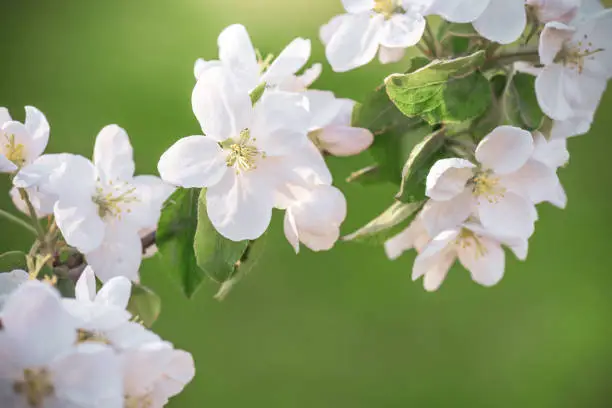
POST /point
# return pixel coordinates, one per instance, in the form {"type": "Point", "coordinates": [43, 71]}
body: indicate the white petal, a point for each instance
{"type": "Point", "coordinates": [551, 94]}
{"type": "Point", "coordinates": [535, 181]}
{"type": "Point", "coordinates": [322, 208]}
{"type": "Point", "coordinates": [151, 192]}
{"type": "Point", "coordinates": [358, 6]}
{"type": "Point", "coordinates": [387, 55]}
{"type": "Point", "coordinates": [6, 166]}
{"type": "Point", "coordinates": [512, 215]}
{"type": "Point", "coordinates": [33, 312]}
{"type": "Point", "coordinates": [222, 108]}
{"type": "Point", "coordinates": [288, 62]}
{"type": "Point", "coordinates": [447, 178]}
{"type": "Point", "coordinates": [459, 11]}
{"type": "Point", "coordinates": [202, 66]}
{"type": "Point", "coordinates": [485, 259]}
{"type": "Point", "coordinates": [240, 206]}
{"type": "Point", "coordinates": [291, 231]}
{"type": "Point", "coordinates": [322, 240]}
{"type": "Point", "coordinates": [119, 254]}
{"type": "Point", "coordinates": [113, 154]}
{"type": "Point", "coordinates": [505, 149]}
{"type": "Point", "coordinates": [41, 201]}
{"type": "Point", "coordinates": [281, 122]}
{"type": "Point", "coordinates": [20, 136]}
{"type": "Point", "coordinates": [596, 31]}
{"type": "Point", "coordinates": [85, 289]}
{"type": "Point", "coordinates": [434, 252]}
{"type": "Point", "coordinates": [310, 75]}
{"type": "Point", "coordinates": [575, 126]}
{"type": "Point", "coordinates": [355, 42]}
{"type": "Point", "coordinates": [193, 161]}
{"type": "Point", "coordinates": [415, 236]}
{"type": "Point", "coordinates": [323, 106]}
{"type": "Point", "coordinates": [5, 116]}
{"type": "Point", "coordinates": [237, 53]}
{"type": "Point", "coordinates": [438, 216]}
{"type": "Point", "coordinates": [80, 224]}
{"type": "Point", "coordinates": [328, 30]}
{"type": "Point", "coordinates": [402, 30]}
{"type": "Point", "coordinates": [503, 21]}
{"type": "Point", "coordinates": [559, 10]}
{"type": "Point", "coordinates": [38, 128]}
{"type": "Point", "coordinates": [116, 292]}
{"type": "Point", "coordinates": [9, 281]}
{"type": "Point", "coordinates": [552, 153]}
{"type": "Point", "coordinates": [553, 37]}
{"type": "Point", "coordinates": [344, 140]}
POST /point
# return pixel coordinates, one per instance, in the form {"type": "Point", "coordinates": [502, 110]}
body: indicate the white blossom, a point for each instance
{"type": "Point", "coordinates": [415, 236]}
{"type": "Point", "coordinates": [9, 281]}
{"type": "Point", "coordinates": [370, 26]}
{"type": "Point", "coordinates": [238, 56]}
{"type": "Point", "coordinates": [244, 158]}
{"type": "Point", "coordinates": [478, 250]}
{"type": "Point", "coordinates": [577, 64]}
{"type": "Point", "coordinates": [42, 366]}
{"type": "Point", "coordinates": [562, 11]}
{"type": "Point", "coordinates": [22, 143]}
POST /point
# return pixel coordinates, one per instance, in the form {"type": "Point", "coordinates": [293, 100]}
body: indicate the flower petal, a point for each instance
{"type": "Point", "coordinates": [288, 62]}
{"type": "Point", "coordinates": [193, 161]}
{"type": "Point", "coordinates": [202, 66]}
{"type": "Point", "coordinates": [113, 154]}
{"type": "Point", "coordinates": [434, 253]}
{"type": "Point", "coordinates": [6, 166]}
{"type": "Point", "coordinates": [512, 215]}
{"type": "Point", "coordinates": [344, 140]}
{"type": "Point", "coordinates": [553, 37]}
{"type": "Point", "coordinates": [85, 289]}
{"type": "Point", "coordinates": [447, 178]}
{"type": "Point", "coordinates": [535, 181]}
{"type": "Point", "coordinates": [458, 11]}
{"type": "Point", "coordinates": [505, 149]}
{"type": "Point", "coordinates": [152, 192]}
{"type": "Point", "coordinates": [402, 30]}
{"type": "Point", "coordinates": [503, 21]}
{"type": "Point", "coordinates": [355, 42]}
{"type": "Point", "coordinates": [323, 107]}
{"type": "Point", "coordinates": [414, 236]}
{"type": "Point", "coordinates": [222, 108]}
{"type": "Point", "coordinates": [38, 128]}
{"type": "Point", "coordinates": [5, 116]}
{"type": "Point", "coordinates": [119, 254]}
{"type": "Point", "coordinates": [328, 30]}
{"type": "Point", "coordinates": [291, 231]}
{"type": "Point", "coordinates": [438, 216]}
{"type": "Point", "coordinates": [552, 153]}
{"type": "Point", "coordinates": [552, 98]}
{"type": "Point", "coordinates": [484, 259]}
{"type": "Point", "coordinates": [80, 223]}
{"type": "Point", "coordinates": [358, 6]}
{"type": "Point", "coordinates": [388, 55]}
{"type": "Point", "coordinates": [237, 54]}
{"type": "Point", "coordinates": [116, 292]}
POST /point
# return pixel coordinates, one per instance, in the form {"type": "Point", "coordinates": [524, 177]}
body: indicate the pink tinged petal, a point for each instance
{"type": "Point", "coordinates": [388, 55]}
{"type": "Point", "coordinates": [535, 181]}
{"type": "Point", "coordinates": [415, 236]}
{"type": "Point", "coordinates": [551, 94]}
{"type": "Point", "coordinates": [328, 30]}
{"type": "Point", "coordinates": [89, 376]}
{"type": "Point", "coordinates": [512, 215]}
{"type": "Point", "coordinates": [344, 140]}
{"type": "Point", "coordinates": [179, 371]}
{"type": "Point", "coordinates": [518, 245]}
{"type": "Point", "coordinates": [438, 216]}
{"type": "Point", "coordinates": [80, 223]}
{"type": "Point", "coordinates": [240, 205]}
{"type": "Point", "coordinates": [306, 167]}
{"type": "Point", "coordinates": [322, 208]}
{"type": "Point", "coordinates": [552, 153]}
{"type": "Point", "coordinates": [484, 258]}
{"type": "Point", "coordinates": [355, 42]}
{"type": "Point", "coordinates": [447, 178]}
{"type": "Point", "coordinates": [288, 62]}
{"type": "Point", "coordinates": [310, 75]}
{"type": "Point", "coordinates": [237, 54]}
{"type": "Point", "coordinates": [402, 30]}
{"type": "Point", "coordinates": [503, 21]}
{"type": "Point", "coordinates": [552, 40]}
{"type": "Point", "coordinates": [38, 128]}
{"type": "Point", "coordinates": [5, 116]}
{"type": "Point", "coordinates": [34, 312]}
{"type": "Point", "coordinates": [222, 108]}
{"type": "Point", "coordinates": [116, 292]}
{"type": "Point", "coordinates": [85, 289]}
{"type": "Point", "coordinates": [322, 240]}
{"type": "Point", "coordinates": [345, 114]}
{"type": "Point", "coordinates": [113, 154]}
{"type": "Point", "coordinates": [281, 122]}
{"type": "Point", "coordinates": [437, 252]}
{"type": "Point", "coordinates": [201, 66]}
{"type": "Point", "coordinates": [505, 149]}
{"type": "Point", "coordinates": [576, 126]}
{"type": "Point", "coordinates": [193, 161]}
{"type": "Point", "coordinates": [560, 10]}
{"type": "Point", "coordinates": [119, 254]}
{"type": "Point", "coordinates": [358, 6]}
{"type": "Point", "coordinates": [459, 11]}
{"type": "Point", "coordinates": [291, 231]}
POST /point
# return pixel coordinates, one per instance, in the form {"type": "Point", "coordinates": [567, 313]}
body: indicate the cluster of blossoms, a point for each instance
{"type": "Point", "coordinates": [264, 138]}
{"type": "Point", "coordinates": [87, 351]}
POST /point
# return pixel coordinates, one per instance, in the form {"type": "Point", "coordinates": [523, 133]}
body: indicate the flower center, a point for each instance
{"type": "Point", "coordinates": [386, 7]}
{"type": "Point", "coordinates": [14, 151]}
{"type": "Point", "coordinates": [242, 154]}
{"type": "Point", "coordinates": [574, 56]}
{"type": "Point", "coordinates": [467, 238]}
{"type": "Point", "coordinates": [35, 386]}
{"type": "Point", "coordinates": [485, 184]}
{"type": "Point", "coordinates": [138, 402]}
{"type": "Point", "coordinates": [84, 336]}
{"type": "Point", "coordinates": [114, 199]}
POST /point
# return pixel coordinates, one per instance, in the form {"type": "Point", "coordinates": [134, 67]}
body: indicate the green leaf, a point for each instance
{"type": "Point", "coordinates": [367, 176]}
{"type": "Point", "coordinates": [387, 224]}
{"type": "Point", "coordinates": [216, 255]}
{"type": "Point", "coordinates": [257, 93]}
{"type": "Point", "coordinates": [144, 304]}
{"type": "Point", "coordinates": [461, 30]}
{"type": "Point", "coordinates": [417, 167]}
{"type": "Point", "coordinates": [12, 260]}
{"type": "Point", "coordinates": [443, 91]}
{"type": "Point", "coordinates": [521, 107]}
{"type": "Point", "coordinates": [175, 234]}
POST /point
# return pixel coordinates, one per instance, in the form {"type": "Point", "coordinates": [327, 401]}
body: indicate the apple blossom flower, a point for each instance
{"type": "Point", "coordinates": [330, 127]}
{"type": "Point", "coordinates": [245, 156]}
{"type": "Point", "coordinates": [22, 143]}
{"type": "Point", "coordinates": [563, 11]}
{"type": "Point", "coordinates": [155, 372]}
{"type": "Point", "coordinates": [9, 281]}
{"type": "Point", "coordinates": [478, 250]}
{"type": "Point", "coordinates": [370, 26]}
{"type": "Point", "coordinates": [577, 64]}
{"type": "Point", "coordinates": [42, 366]}
{"type": "Point", "coordinates": [238, 56]}
{"type": "Point", "coordinates": [499, 191]}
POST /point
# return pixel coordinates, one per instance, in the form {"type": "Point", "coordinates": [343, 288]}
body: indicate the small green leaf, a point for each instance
{"type": "Point", "coordinates": [521, 107]}
{"type": "Point", "coordinates": [443, 91]}
{"type": "Point", "coordinates": [216, 255]}
{"type": "Point", "coordinates": [257, 93]}
{"type": "Point", "coordinates": [417, 167]}
{"type": "Point", "coordinates": [367, 176]}
{"type": "Point", "coordinates": [144, 304]}
{"type": "Point", "coordinates": [175, 234]}
{"type": "Point", "coordinates": [9, 261]}
{"type": "Point", "coordinates": [386, 225]}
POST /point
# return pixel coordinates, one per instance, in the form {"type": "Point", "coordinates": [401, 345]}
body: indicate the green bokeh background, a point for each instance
{"type": "Point", "coordinates": [346, 328]}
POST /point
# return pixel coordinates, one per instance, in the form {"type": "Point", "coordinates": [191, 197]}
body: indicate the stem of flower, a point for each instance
{"type": "Point", "coordinates": [430, 40]}
{"type": "Point", "coordinates": [507, 58]}
{"type": "Point", "coordinates": [13, 218]}
{"type": "Point", "coordinates": [32, 213]}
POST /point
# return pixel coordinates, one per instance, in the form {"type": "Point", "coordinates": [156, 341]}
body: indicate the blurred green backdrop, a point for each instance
{"type": "Point", "coordinates": [345, 328]}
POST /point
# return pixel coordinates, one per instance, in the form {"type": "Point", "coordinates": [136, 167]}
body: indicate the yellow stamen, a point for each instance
{"type": "Point", "coordinates": [137, 402]}
{"type": "Point", "coordinates": [574, 56]}
{"type": "Point", "coordinates": [14, 151]}
{"type": "Point", "coordinates": [242, 154]}
{"type": "Point", "coordinates": [85, 336]}
{"type": "Point", "coordinates": [467, 238]}
{"type": "Point", "coordinates": [484, 184]}
{"type": "Point", "coordinates": [35, 386]}
{"type": "Point", "coordinates": [114, 202]}
{"type": "Point", "coordinates": [385, 7]}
